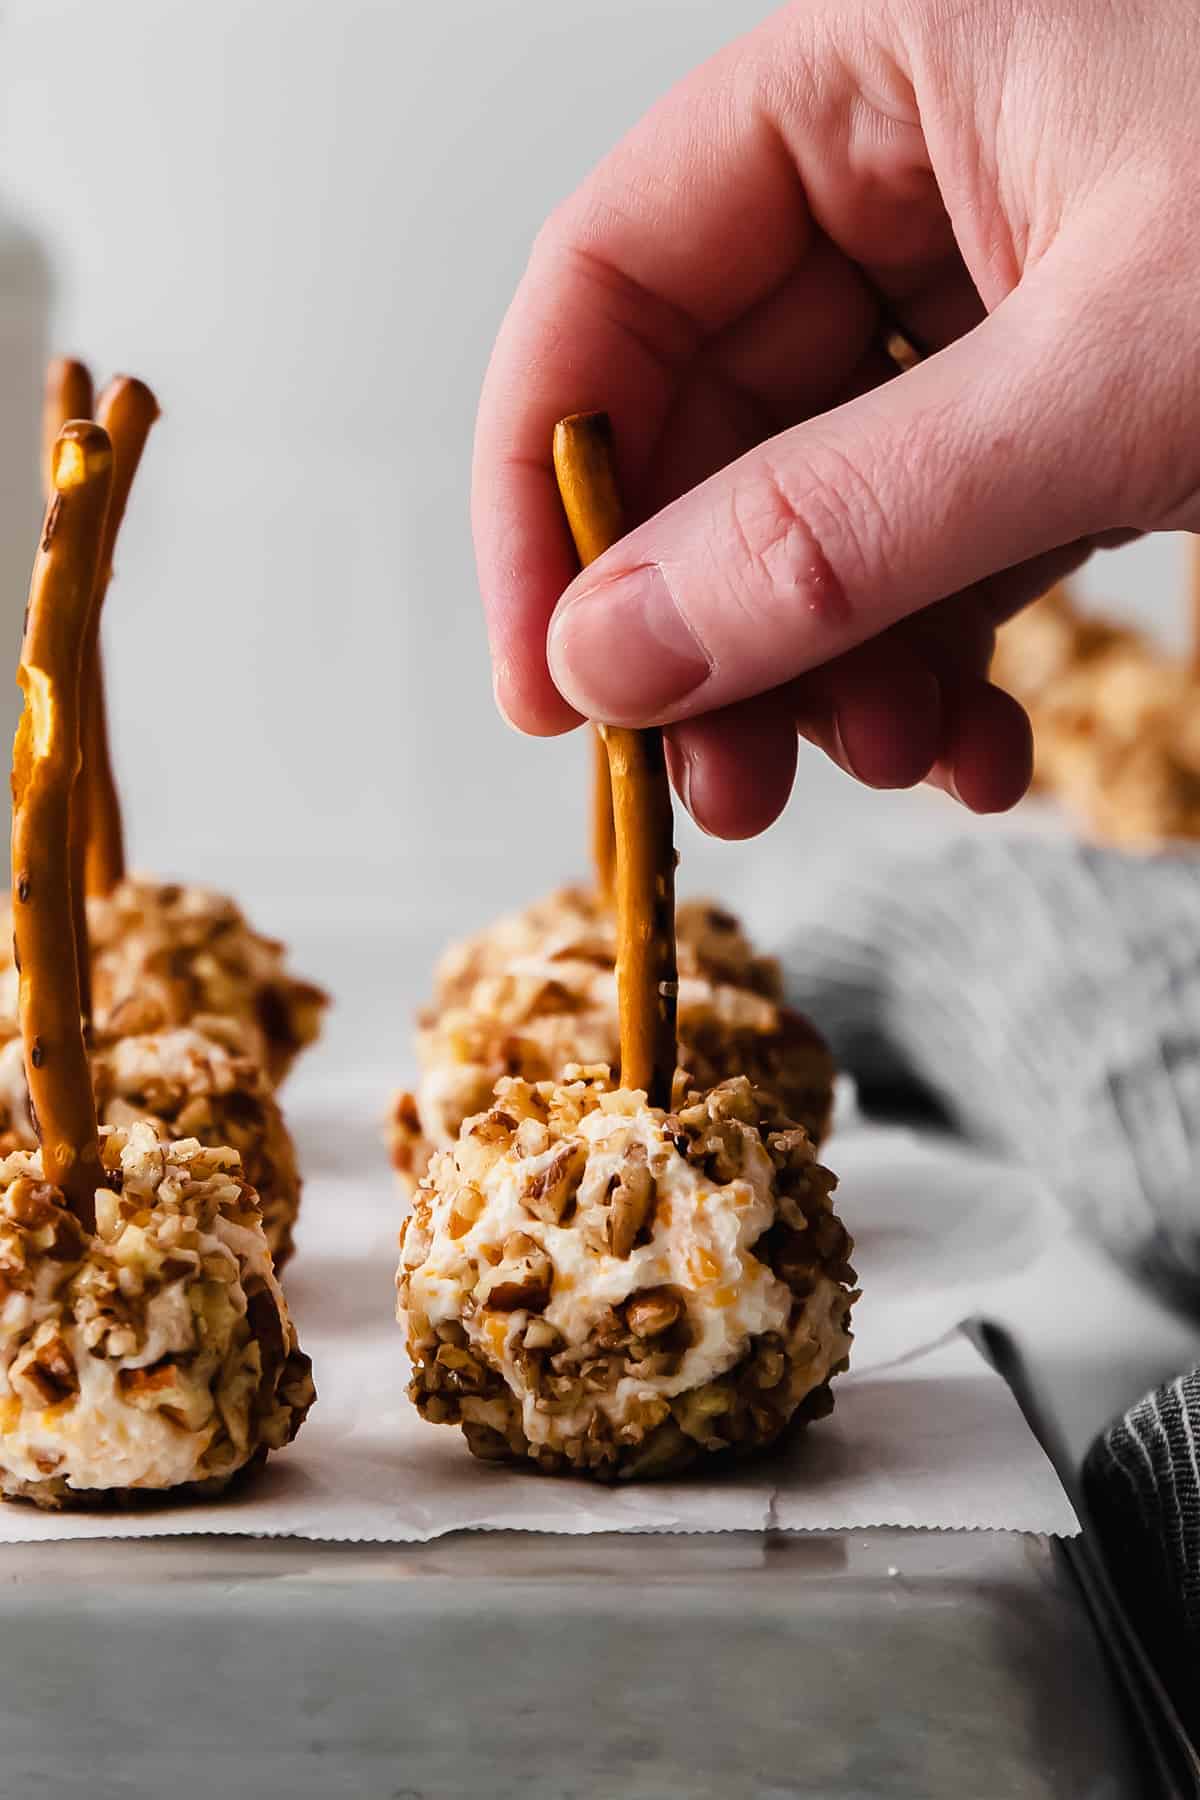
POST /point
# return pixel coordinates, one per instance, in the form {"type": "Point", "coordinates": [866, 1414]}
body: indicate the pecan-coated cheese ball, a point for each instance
{"type": "Point", "coordinates": [592, 1284]}
{"type": "Point", "coordinates": [167, 954]}
{"type": "Point", "coordinates": [185, 1084]}
{"type": "Point", "coordinates": [163, 954]}
{"type": "Point", "coordinates": [541, 1016]}
{"type": "Point", "coordinates": [154, 1355]}
{"type": "Point", "coordinates": [1116, 737]}
{"type": "Point", "coordinates": [569, 925]}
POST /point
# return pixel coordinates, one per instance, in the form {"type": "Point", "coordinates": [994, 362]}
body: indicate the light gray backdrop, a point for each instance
{"type": "Point", "coordinates": [301, 222]}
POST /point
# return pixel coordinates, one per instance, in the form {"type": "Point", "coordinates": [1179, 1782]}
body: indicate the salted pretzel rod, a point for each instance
{"type": "Point", "coordinates": [126, 409]}
{"type": "Point", "coordinates": [45, 765]}
{"type": "Point", "coordinates": [647, 978]}
{"type": "Point", "coordinates": [587, 483]}
{"type": "Point", "coordinates": [643, 822]}
{"type": "Point", "coordinates": [1194, 591]}
{"type": "Point", "coordinates": [604, 849]}
{"type": "Point", "coordinates": [902, 350]}
{"type": "Point", "coordinates": [68, 395]}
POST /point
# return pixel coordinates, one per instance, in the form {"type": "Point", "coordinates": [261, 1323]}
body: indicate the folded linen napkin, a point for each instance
{"type": "Point", "coordinates": [1047, 994]}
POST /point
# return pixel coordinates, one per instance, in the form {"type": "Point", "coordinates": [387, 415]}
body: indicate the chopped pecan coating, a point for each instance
{"type": "Point", "coordinates": [652, 1312]}
{"type": "Point", "coordinates": [632, 1201]}
{"type": "Point", "coordinates": [549, 1192]}
{"type": "Point", "coordinates": [521, 1279]}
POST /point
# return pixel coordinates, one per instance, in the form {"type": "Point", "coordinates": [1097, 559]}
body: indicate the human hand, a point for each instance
{"type": "Point", "coordinates": [826, 547]}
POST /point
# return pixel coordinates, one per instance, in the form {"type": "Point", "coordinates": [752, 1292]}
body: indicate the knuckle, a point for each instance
{"type": "Point", "coordinates": [554, 235]}
{"type": "Point", "coordinates": [807, 535]}
{"type": "Point", "coordinates": [851, 517]}
{"type": "Point", "coordinates": [577, 246]}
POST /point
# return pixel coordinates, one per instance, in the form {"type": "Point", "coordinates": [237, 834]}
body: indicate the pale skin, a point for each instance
{"type": "Point", "coordinates": [822, 548]}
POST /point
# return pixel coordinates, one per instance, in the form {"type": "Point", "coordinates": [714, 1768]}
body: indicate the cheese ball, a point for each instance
{"type": "Point", "coordinates": [591, 1285]}
{"type": "Point", "coordinates": [1114, 719]}
{"type": "Point", "coordinates": [570, 925]}
{"type": "Point", "coordinates": [1146, 798]}
{"type": "Point", "coordinates": [1045, 642]}
{"type": "Point", "coordinates": [165, 954]}
{"type": "Point", "coordinates": [185, 1084]}
{"type": "Point", "coordinates": [154, 1356]}
{"type": "Point", "coordinates": [537, 992]}
{"type": "Point", "coordinates": [541, 1016]}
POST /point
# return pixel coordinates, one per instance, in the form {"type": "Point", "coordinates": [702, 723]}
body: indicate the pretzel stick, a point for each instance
{"type": "Point", "coordinates": [126, 409]}
{"type": "Point", "coordinates": [604, 849]}
{"type": "Point", "coordinates": [45, 765]}
{"type": "Point", "coordinates": [583, 465]}
{"type": "Point", "coordinates": [902, 351]}
{"type": "Point", "coordinates": [1194, 584]}
{"type": "Point", "coordinates": [69, 395]}
{"type": "Point", "coordinates": [647, 982]}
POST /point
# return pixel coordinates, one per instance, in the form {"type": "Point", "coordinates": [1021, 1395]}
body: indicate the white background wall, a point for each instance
{"type": "Point", "coordinates": [301, 223]}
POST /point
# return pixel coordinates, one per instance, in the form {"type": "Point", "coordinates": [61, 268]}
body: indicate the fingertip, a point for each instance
{"type": "Point", "coordinates": [499, 685]}
{"type": "Point", "coordinates": [988, 757]}
{"type": "Point", "coordinates": [890, 737]}
{"type": "Point", "coordinates": [534, 717]}
{"type": "Point", "coordinates": [681, 762]}
{"type": "Point", "coordinates": [524, 561]}
{"type": "Point", "coordinates": [522, 687]}
{"type": "Point", "coordinates": [877, 712]}
{"type": "Point", "coordinates": [733, 770]}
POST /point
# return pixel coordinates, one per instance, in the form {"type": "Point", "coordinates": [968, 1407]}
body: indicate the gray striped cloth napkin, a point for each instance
{"type": "Point", "coordinates": [1047, 996]}
{"type": "Point", "coordinates": [1141, 1489]}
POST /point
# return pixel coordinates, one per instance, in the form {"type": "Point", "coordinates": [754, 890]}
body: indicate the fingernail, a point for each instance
{"type": "Point", "coordinates": [679, 767]}
{"type": "Point", "coordinates": [950, 784]}
{"type": "Point", "coordinates": [498, 697]}
{"type": "Point", "coordinates": [623, 652]}
{"type": "Point", "coordinates": [840, 752]}
{"type": "Point", "coordinates": [682, 765]}
{"type": "Point", "coordinates": [942, 778]}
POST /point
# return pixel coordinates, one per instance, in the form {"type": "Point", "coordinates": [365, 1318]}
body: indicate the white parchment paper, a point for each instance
{"type": "Point", "coordinates": [924, 1433]}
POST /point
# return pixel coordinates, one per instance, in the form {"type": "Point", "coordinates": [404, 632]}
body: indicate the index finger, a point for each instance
{"type": "Point", "coordinates": [695, 217]}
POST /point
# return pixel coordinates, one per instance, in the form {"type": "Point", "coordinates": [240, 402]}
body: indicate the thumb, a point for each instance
{"type": "Point", "coordinates": [993, 451]}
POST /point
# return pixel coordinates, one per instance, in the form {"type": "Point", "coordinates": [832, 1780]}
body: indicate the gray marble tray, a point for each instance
{"type": "Point", "coordinates": [873, 1664]}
